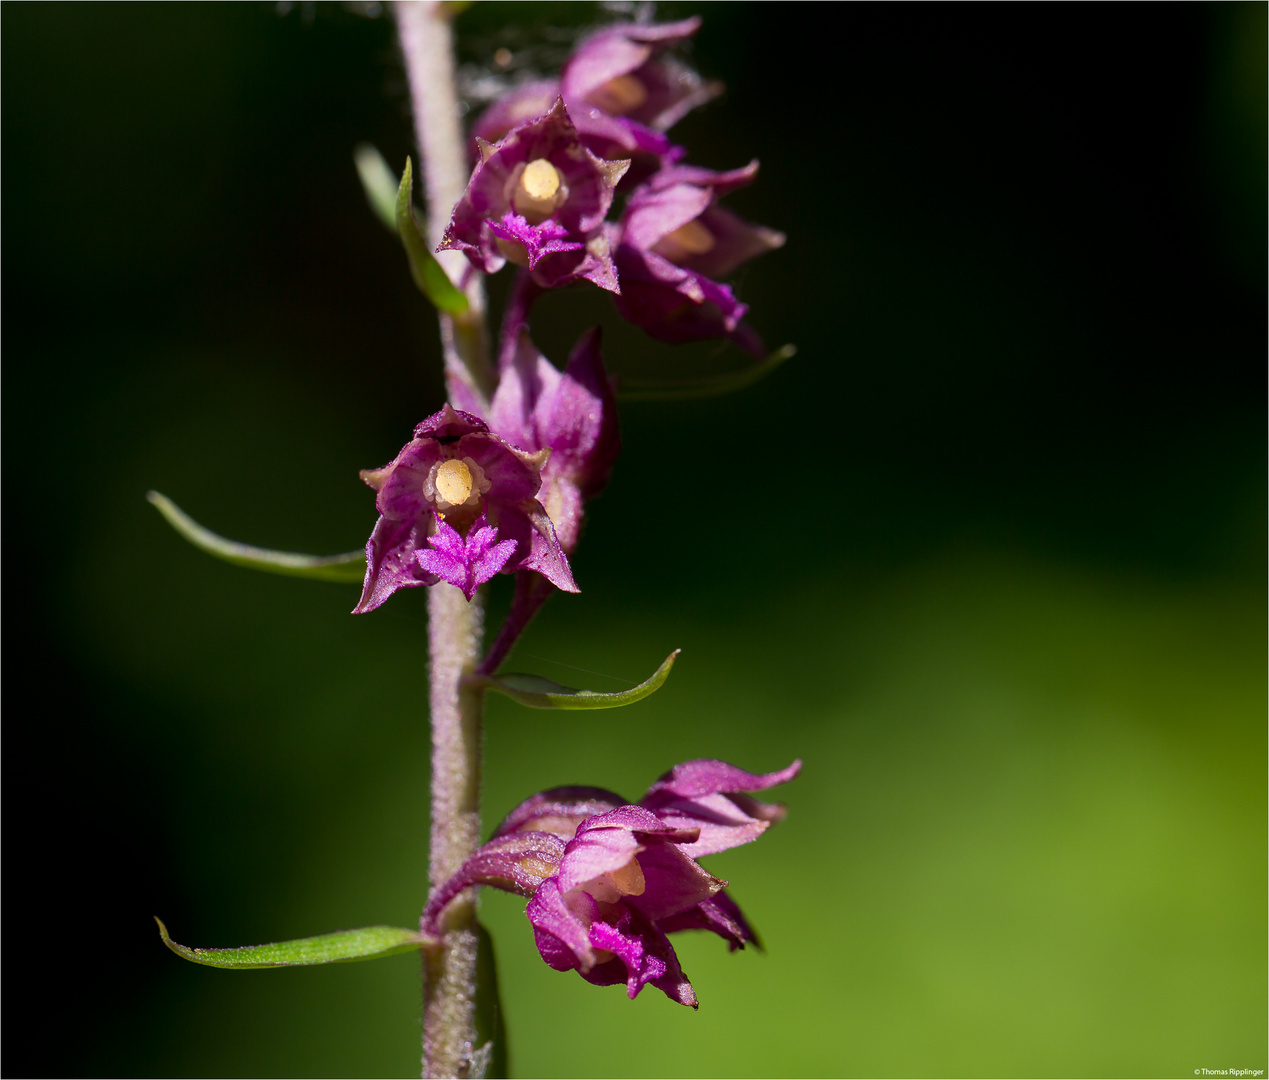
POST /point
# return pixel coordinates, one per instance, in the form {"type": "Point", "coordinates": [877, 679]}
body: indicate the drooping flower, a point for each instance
{"type": "Point", "coordinates": [538, 198]}
{"type": "Point", "coordinates": [624, 91]}
{"type": "Point", "coordinates": [458, 504]}
{"type": "Point", "coordinates": [573, 414]}
{"type": "Point", "coordinates": [607, 880]}
{"type": "Point", "coordinates": [675, 245]}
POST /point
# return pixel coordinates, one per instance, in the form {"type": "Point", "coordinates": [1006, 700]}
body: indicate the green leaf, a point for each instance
{"type": "Point", "coordinates": [343, 946]}
{"type": "Point", "coordinates": [539, 693]}
{"type": "Point", "coordinates": [428, 274]}
{"type": "Point", "coordinates": [380, 183]}
{"type": "Point", "coordinates": [707, 386]}
{"type": "Point", "coordinates": [349, 567]}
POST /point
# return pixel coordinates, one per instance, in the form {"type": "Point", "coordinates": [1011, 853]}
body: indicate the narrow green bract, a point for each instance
{"type": "Point", "coordinates": [367, 943]}
{"type": "Point", "coordinates": [428, 274]}
{"type": "Point", "coordinates": [380, 183]}
{"type": "Point", "coordinates": [539, 693]}
{"type": "Point", "coordinates": [706, 386]}
{"type": "Point", "coordinates": [349, 567]}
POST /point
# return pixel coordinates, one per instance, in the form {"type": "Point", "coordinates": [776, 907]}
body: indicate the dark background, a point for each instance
{"type": "Point", "coordinates": [988, 554]}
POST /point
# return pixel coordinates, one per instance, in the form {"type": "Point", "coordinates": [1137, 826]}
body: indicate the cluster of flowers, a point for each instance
{"type": "Point", "coordinates": [499, 487]}
{"type": "Point", "coordinates": [608, 880]}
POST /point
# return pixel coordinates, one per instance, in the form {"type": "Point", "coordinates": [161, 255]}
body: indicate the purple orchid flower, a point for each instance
{"type": "Point", "coordinates": [458, 504]}
{"type": "Point", "coordinates": [571, 413]}
{"type": "Point", "coordinates": [607, 881]}
{"type": "Point", "coordinates": [675, 243]}
{"type": "Point", "coordinates": [539, 198]}
{"type": "Point", "coordinates": [624, 91]}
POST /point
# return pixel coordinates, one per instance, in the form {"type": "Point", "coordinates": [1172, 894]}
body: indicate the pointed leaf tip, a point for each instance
{"type": "Point", "coordinates": [706, 386]}
{"type": "Point", "coordinates": [379, 182]}
{"type": "Point", "coordinates": [428, 274]}
{"type": "Point", "coordinates": [539, 693]}
{"type": "Point", "coordinates": [349, 567]}
{"type": "Point", "coordinates": [343, 946]}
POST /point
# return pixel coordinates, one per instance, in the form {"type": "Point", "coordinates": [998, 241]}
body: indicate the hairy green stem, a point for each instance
{"type": "Point", "coordinates": [455, 627]}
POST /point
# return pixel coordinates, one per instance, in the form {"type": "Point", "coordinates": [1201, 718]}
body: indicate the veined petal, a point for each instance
{"type": "Point", "coordinates": [559, 810]}
{"type": "Point", "coordinates": [517, 863]}
{"type": "Point", "coordinates": [561, 936]}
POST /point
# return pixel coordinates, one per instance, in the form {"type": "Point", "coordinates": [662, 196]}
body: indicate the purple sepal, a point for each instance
{"type": "Point", "coordinates": [466, 563]}
{"type": "Point", "coordinates": [623, 91]}
{"type": "Point", "coordinates": [674, 305]}
{"type": "Point", "coordinates": [577, 195]}
{"type": "Point", "coordinates": [710, 796]}
{"type": "Point", "coordinates": [531, 101]}
{"type": "Point", "coordinates": [675, 242]}
{"type": "Point", "coordinates": [720, 915]}
{"type": "Point", "coordinates": [559, 810]}
{"type": "Point", "coordinates": [497, 507]}
{"type": "Point", "coordinates": [517, 863]}
{"type": "Point", "coordinates": [573, 414]}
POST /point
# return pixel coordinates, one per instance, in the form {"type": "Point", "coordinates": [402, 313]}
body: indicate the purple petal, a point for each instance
{"type": "Point", "coordinates": [527, 388]}
{"type": "Point", "coordinates": [559, 810]}
{"type": "Point", "coordinates": [644, 952]}
{"type": "Point", "coordinates": [707, 794]}
{"type": "Point", "coordinates": [735, 241]}
{"type": "Point", "coordinates": [719, 915]}
{"type": "Point", "coordinates": [581, 425]}
{"type": "Point", "coordinates": [449, 423]}
{"type": "Point", "coordinates": [446, 558]}
{"type": "Point", "coordinates": [722, 823]}
{"type": "Point", "coordinates": [673, 882]}
{"type": "Point", "coordinates": [390, 562]}
{"type": "Point", "coordinates": [518, 863]}
{"type": "Point", "coordinates": [706, 776]}
{"type": "Point", "coordinates": [720, 183]}
{"type": "Point", "coordinates": [596, 852]}
{"type": "Point", "coordinates": [537, 547]}
{"type": "Point", "coordinates": [513, 477]}
{"type": "Point", "coordinates": [485, 557]}
{"type": "Point", "coordinates": [528, 102]}
{"type": "Point", "coordinates": [538, 240]}
{"type": "Point", "coordinates": [651, 214]}
{"type": "Point", "coordinates": [560, 935]}
{"type": "Point", "coordinates": [674, 305]}
{"type": "Point", "coordinates": [465, 563]}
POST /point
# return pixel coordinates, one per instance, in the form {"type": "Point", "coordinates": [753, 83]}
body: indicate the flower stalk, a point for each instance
{"type": "Point", "coordinates": [455, 625]}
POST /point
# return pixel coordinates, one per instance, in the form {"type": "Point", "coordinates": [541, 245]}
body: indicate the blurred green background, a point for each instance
{"type": "Point", "coordinates": [989, 555]}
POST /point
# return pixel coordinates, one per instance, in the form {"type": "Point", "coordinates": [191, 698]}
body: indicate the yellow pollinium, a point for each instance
{"type": "Point", "coordinates": [453, 482]}
{"type": "Point", "coordinates": [538, 191]}
{"type": "Point", "coordinates": [540, 179]}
